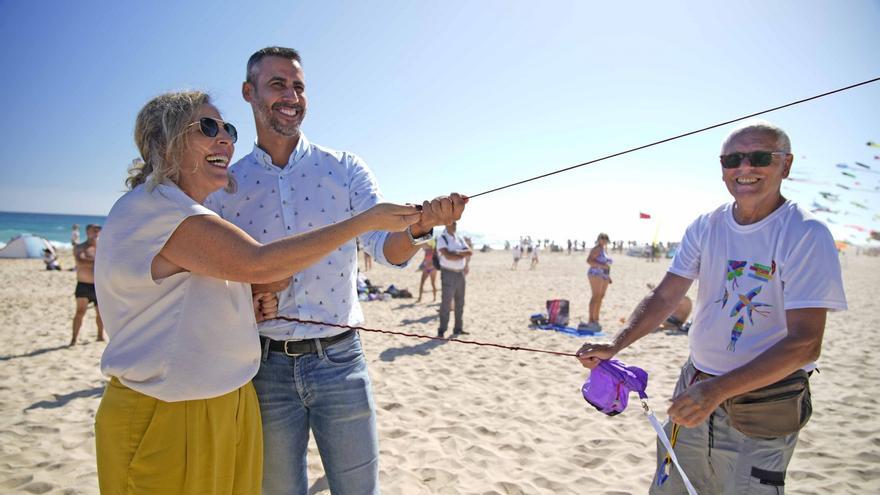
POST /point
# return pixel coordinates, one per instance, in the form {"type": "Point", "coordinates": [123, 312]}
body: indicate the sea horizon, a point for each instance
{"type": "Point", "coordinates": [54, 227]}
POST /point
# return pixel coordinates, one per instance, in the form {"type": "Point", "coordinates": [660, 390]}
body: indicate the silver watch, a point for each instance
{"type": "Point", "coordinates": [415, 241]}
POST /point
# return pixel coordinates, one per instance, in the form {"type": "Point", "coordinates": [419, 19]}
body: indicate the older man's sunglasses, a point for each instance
{"type": "Point", "coordinates": [211, 127]}
{"type": "Point", "coordinates": [756, 158]}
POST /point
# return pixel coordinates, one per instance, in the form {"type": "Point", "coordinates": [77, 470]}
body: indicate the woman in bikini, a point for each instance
{"type": "Point", "coordinates": [599, 275]}
{"type": "Point", "coordinates": [428, 270]}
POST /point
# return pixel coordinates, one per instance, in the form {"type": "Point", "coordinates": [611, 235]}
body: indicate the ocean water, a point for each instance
{"type": "Point", "coordinates": [56, 228]}
{"type": "Point", "coordinates": [52, 227]}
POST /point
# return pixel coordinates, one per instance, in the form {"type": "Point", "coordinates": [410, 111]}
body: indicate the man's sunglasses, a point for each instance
{"type": "Point", "coordinates": [756, 158]}
{"type": "Point", "coordinates": [211, 127]}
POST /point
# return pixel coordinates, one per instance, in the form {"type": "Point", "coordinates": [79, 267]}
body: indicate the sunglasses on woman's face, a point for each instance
{"type": "Point", "coordinates": [211, 127]}
{"type": "Point", "coordinates": [756, 158]}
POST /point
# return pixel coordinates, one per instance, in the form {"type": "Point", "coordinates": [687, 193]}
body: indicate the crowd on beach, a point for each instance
{"type": "Point", "coordinates": [260, 258]}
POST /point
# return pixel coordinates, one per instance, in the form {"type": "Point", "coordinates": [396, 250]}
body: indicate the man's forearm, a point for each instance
{"type": "Point", "coordinates": [460, 255]}
{"type": "Point", "coordinates": [784, 358]}
{"type": "Point", "coordinates": [398, 249]}
{"type": "Point", "coordinates": [800, 347]}
{"type": "Point", "coordinates": [650, 312]}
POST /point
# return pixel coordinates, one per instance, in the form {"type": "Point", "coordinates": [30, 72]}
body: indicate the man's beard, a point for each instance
{"type": "Point", "coordinates": [288, 130]}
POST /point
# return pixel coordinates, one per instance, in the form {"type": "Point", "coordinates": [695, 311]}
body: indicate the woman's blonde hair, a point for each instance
{"type": "Point", "coordinates": [159, 133]}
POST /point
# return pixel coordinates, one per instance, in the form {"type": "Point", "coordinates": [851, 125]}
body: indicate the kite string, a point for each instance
{"type": "Point", "coordinates": [655, 143]}
{"type": "Point", "coordinates": [420, 336]}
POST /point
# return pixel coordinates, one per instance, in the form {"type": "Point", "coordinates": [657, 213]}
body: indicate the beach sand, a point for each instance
{"type": "Point", "coordinates": [455, 418]}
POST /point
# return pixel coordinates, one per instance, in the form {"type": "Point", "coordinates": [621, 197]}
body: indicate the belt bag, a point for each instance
{"type": "Point", "coordinates": [773, 411]}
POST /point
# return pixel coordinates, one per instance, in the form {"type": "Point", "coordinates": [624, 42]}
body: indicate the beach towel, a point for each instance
{"type": "Point", "coordinates": [577, 332]}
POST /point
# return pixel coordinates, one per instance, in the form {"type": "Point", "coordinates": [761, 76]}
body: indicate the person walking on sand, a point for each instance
{"type": "Point", "coordinates": [74, 235]}
{"type": "Point", "coordinates": [534, 256]}
{"type": "Point", "coordinates": [84, 258]}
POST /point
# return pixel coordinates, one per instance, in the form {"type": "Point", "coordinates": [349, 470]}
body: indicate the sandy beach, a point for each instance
{"type": "Point", "coordinates": [455, 418]}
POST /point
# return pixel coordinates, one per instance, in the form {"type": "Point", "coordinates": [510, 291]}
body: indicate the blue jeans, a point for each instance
{"type": "Point", "coordinates": [330, 394]}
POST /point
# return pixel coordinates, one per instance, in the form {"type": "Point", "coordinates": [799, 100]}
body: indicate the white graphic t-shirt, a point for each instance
{"type": "Point", "coordinates": [749, 275]}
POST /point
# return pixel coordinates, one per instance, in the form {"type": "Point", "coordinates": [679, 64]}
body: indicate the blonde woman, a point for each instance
{"type": "Point", "coordinates": [599, 275]}
{"type": "Point", "coordinates": [180, 414]}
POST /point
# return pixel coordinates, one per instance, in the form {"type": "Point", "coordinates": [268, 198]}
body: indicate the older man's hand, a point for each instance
{"type": "Point", "coordinates": [591, 354]}
{"type": "Point", "coordinates": [440, 211]}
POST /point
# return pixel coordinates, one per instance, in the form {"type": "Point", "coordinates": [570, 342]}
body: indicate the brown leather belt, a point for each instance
{"type": "Point", "coordinates": [306, 346]}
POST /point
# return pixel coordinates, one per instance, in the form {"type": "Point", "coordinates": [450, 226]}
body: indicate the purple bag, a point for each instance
{"type": "Point", "coordinates": [609, 384]}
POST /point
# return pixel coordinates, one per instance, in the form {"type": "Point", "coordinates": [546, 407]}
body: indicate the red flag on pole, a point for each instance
{"type": "Point", "coordinates": [644, 215]}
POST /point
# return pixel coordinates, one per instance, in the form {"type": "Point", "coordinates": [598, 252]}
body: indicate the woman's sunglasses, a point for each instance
{"type": "Point", "coordinates": [211, 127]}
{"type": "Point", "coordinates": [756, 158]}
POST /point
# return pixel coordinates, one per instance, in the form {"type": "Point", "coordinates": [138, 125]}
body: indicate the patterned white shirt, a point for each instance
{"type": "Point", "coordinates": [317, 187]}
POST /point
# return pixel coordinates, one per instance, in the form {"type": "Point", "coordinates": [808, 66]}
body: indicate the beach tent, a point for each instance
{"type": "Point", "coordinates": [25, 246]}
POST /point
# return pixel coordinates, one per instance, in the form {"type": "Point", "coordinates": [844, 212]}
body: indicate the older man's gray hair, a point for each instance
{"type": "Point", "coordinates": [783, 143]}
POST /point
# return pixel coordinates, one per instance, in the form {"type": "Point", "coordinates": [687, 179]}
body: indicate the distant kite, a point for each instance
{"type": "Point", "coordinates": [820, 208]}
{"type": "Point", "coordinates": [863, 165]}
{"type": "Point", "coordinates": [842, 186]}
{"type": "Point", "coordinates": [873, 144]}
{"type": "Point", "coordinates": [806, 181]}
{"type": "Point", "coordinates": [849, 175]}
{"type": "Point", "coordinates": [829, 196]}
{"type": "Point", "coordinates": [858, 227]}
{"type": "Point", "coordinates": [859, 205]}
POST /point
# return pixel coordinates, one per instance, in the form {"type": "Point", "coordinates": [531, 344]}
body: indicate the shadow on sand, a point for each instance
{"type": "Point", "coordinates": [319, 485]}
{"type": "Point", "coordinates": [422, 349]}
{"type": "Point", "coordinates": [424, 319]}
{"type": "Point", "coordinates": [61, 400]}
{"type": "Point", "coordinates": [33, 353]}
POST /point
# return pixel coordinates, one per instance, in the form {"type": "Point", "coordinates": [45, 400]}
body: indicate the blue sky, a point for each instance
{"type": "Point", "coordinates": [462, 96]}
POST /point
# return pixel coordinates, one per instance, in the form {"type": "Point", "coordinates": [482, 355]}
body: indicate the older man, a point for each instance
{"type": "Point", "coordinates": [768, 273]}
{"type": "Point", "coordinates": [313, 377]}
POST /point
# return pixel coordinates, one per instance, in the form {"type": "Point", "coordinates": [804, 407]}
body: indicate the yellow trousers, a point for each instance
{"type": "Point", "coordinates": [210, 446]}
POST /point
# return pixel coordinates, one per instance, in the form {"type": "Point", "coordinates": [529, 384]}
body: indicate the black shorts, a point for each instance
{"type": "Point", "coordinates": [86, 290]}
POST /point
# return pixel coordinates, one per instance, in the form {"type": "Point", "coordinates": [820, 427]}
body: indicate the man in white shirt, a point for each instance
{"type": "Point", "coordinates": [454, 256]}
{"type": "Point", "coordinates": [312, 376]}
{"type": "Point", "coordinates": [768, 274]}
